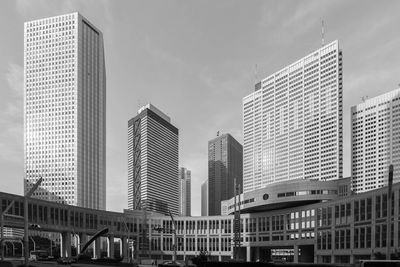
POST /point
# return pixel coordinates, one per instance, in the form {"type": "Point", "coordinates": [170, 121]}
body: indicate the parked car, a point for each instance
{"type": "Point", "coordinates": [66, 260]}
{"type": "Point", "coordinates": [38, 255]}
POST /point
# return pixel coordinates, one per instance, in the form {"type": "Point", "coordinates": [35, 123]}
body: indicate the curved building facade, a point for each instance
{"type": "Point", "coordinates": [341, 230]}
{"type": "Point", "coordinates": [287, 194]}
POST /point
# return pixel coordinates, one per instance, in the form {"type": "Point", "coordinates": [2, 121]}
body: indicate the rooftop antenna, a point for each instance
{"type": "Point", "coordinates": [256, 74]}
{"type": "Point", "coordinates": [364, 98]}
{"type": "Point", "coordinates": [323, 33]}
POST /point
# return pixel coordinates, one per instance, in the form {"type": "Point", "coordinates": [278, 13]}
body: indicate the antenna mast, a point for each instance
{"type": "Point", "coordinates": [323, 33]}
{"type": "Point", "coordinates": [256, 74]}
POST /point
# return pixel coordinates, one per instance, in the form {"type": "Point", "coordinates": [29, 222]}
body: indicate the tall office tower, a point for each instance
{"type": "Point", "coordinates": [204, 198]}
{"type": "Point", "coordinates": [292, 122]}
{"type": "Point", "coordinates": [185, 177]}
{"type": "Point", "coordinates": [225, 164]}
{"type": "Point", "coordinates": [375, 141]}
{"type": "Point", "coordinates": [65, 110]}
{"type": "Point", "coordinates": [153, 182]}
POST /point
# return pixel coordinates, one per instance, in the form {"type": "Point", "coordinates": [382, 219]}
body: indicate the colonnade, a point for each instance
{"type": "Point", "coordinates": [65, 245]}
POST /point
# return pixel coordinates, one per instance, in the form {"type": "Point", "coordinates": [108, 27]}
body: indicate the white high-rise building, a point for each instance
{"type": "Point", "coordinates": [153, 158]}
{"type": "Point", "coordinates": [292, 122]}
{"type": "Point", "coordinates": [65, 108]}
{"type": "Point", "coordinates": [375, 141]}
{"type": "Point", "coordinates": [185, 185]}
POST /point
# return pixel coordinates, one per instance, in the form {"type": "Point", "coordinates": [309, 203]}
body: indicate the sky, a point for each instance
{"type": "Point", "coordinates": [195, 61]}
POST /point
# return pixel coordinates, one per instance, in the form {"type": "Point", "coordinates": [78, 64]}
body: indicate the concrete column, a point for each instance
{"type": "Point", "coordinates": [66, 244]}
{"type": "Point", "coordinates": [257, 253]}
{"type": "Point", "coordinates": [97, 250]}
{"type": "Point", "coordinates": [110, 250]}
{"type": "Point", "coordinates": [296, 254]}
{"type": "Point", "coordinates": [13, 248]}
{"type": "Point", "coordinates": [78, 243]}
{"type": "Point", "coordinates": [62, 246]}
{"type": "Point", "coordinates": [395, 215]}
{"type": "Point", "coordinates": [248, 256]}
{"type": "Point", "coordinates": [196, 246]}
{"type": "Point", "coordinates": [373, 224]}
{"type": "Point", "coordinates": [123, 246]}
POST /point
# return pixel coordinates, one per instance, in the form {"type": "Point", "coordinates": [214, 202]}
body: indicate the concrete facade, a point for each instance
{"type": "Point", "coordinates": [204, 198]}
{"type": "Point", "coordinates": [185, 194]}
{"type": "Point", "coordinates": [341, 230]}
{"type": "Point", "coordinates": [153, 158]}
{"type": "Point", "coordinates": [225, 164]}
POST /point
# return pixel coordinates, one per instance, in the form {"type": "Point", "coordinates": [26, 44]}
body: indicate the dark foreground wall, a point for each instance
{"type": "Point", "coordinates": [268, 264]}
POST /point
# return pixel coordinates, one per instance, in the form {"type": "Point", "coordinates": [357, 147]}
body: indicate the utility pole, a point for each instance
{"type": "Point", "coordinates": [389, 213]}
{"type": "Point", "coordinates": [174, 236]}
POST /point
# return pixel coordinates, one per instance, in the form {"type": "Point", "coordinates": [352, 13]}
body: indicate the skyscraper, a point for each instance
{"type": "Point", "coordinates": [375, 141]}
{"type": "Point", "coordinates": [204, 198]}
{"type": "Point", "coordinates": [292, 122]}
{"type": "Point", "coordinates": [185, 177]}
{"type": "Point", "coordinates": [65, 107]}
{"type": "Point", "coordinates": [225, 164]}
{"type": "Point", "coordinates": [153, 170]}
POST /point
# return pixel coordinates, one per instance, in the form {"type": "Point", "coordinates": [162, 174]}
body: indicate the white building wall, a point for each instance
{"type": "Point", "coordinates": [375, 141]}
{"type": "Point", "coordinates": [64, 84]}
{"type": "Point", "coordinates": [292, 124]}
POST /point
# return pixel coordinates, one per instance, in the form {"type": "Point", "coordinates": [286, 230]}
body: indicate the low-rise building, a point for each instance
{"type": "Point", "coordinates": [331, 228]}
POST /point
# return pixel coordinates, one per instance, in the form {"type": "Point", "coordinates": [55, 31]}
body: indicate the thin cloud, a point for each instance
{"type": "Point", "coordinates": [358, 85]}
{"type": "Point", "coordinates": [27, 8]}
{"type": "Point", "coordinates": [15, 78]}
{"type": "Point", "coordinates": [11, 116]}
{"type": "Point", "coordinates": [160, 54]}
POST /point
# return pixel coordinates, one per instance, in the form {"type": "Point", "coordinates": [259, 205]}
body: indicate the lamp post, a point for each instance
{"type": "Point", "coordinates": [34, 243]}
{"type": "Point", "coordinates": [169, 230]}
{"type": "Point", "coordinates": [26, 240]}
{"type": "Point", "coordinates": [127, 249]}
{"type": "Point", "coordinates": [174, 236]}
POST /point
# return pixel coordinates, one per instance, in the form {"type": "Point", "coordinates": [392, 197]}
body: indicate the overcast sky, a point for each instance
{"type": "Point", "coordinates": [195, 60]}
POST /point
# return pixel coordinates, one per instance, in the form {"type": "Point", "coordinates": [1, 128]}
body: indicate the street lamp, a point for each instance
{"type": "Point", "coordinates": [127, 247]}
{"type": "Point", "coordinates": [173, 231]}
{"type": "Point", "coordinates": [26, 240]}
{"type": "Point", "coordinates": [34, 243]}
{"type": "Point", "coordinates": [4, 213]}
